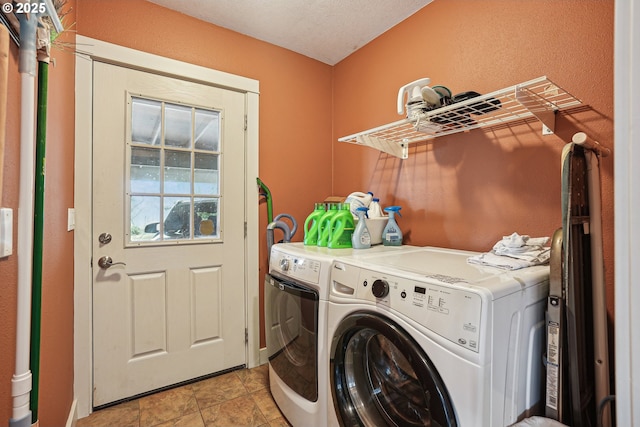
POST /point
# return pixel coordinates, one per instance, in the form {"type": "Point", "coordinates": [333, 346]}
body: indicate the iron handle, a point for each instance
{"type": "Point", "coordinates": [106, 262]}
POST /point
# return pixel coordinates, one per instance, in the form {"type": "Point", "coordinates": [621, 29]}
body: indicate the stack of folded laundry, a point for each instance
{"type": "Point", "coordinates": [514, 252]}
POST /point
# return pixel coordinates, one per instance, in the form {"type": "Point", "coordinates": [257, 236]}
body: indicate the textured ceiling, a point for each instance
{"type": "Point", "coordinates": [326, 30]}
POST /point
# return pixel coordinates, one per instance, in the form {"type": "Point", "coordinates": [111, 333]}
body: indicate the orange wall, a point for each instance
{"type": "Point", "coordinates": [468, 190]}
{"type": "Point", "coordinates": [56, 362]}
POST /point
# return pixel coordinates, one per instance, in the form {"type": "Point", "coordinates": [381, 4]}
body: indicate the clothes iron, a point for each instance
{"type": "Point", "coordinates": [416, 104]}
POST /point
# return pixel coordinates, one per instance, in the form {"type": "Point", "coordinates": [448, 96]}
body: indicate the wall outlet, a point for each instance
{"type": "Point", "coordinates": [6, 232]}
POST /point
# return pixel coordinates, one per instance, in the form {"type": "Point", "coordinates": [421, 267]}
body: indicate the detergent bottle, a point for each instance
{"type": "Point", "coordinates": [358, 199]}
{"type": "Point", "coordinates": [312, 224]}
{"type": "Point", "coordinates": [323, 226]}
{"type": "Point", "coordinates": [361, 238]}
{"type": "Point", "coordinates": [374, 208]}
{"type": "Point", "coordinates": [341, 228]}
{"type": "Point", "coordinates": [392, 235]}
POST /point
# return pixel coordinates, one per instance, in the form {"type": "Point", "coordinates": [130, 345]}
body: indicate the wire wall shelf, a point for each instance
{"type": "Point", "coordinates": [540, 98]}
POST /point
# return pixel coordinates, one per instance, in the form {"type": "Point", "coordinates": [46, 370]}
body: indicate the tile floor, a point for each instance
{"type": "Point", "coordinates": [239, 398]}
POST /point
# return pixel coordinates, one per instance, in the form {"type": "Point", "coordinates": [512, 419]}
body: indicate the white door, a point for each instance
{"type": "Point", "coordinates": [168, 231]}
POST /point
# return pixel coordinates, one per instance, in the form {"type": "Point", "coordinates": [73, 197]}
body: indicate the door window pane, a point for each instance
{"type": "Point", "coordinates": [146, 121]}
{"type": "Point", "coordinates": [177, 126]}
{"type": "Point", "coordinates": [177, 172]}
{"type": "Point", "coordinates": [145, 170]}
{"type": "Point", "coordinates": [207, 130]}
{"type": "Point", "coordinates": [205, 218]}
{"type": "Point", "coordinates": [206, 173]}
{"type": "Point", "coordinates": [145, 218]}
{"type": "Point", "coordinates": [177, 222]}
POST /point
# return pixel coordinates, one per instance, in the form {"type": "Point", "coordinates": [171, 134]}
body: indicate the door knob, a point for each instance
{"type": "Point", "coordinates": [106, 262]}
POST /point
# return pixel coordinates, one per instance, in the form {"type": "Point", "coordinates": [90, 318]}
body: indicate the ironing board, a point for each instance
{"type": "Point", "coordinates": [577, 340]}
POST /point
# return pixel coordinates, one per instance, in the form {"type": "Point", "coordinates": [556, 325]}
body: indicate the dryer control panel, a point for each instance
{"type": "Point", "coordinates": [305, 269]}
{"type": "Point", "coordinates": [435, 303]}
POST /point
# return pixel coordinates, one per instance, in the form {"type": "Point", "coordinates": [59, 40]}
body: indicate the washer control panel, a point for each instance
{"type": "Point", "coordinates": [435, 303]}
{"type": "Point", "coordinates": [303, 269]}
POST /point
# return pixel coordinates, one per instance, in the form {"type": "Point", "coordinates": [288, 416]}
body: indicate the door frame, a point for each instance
{"type": "Point", "coordinates": [89, 50]}
{"type": "Point", "coordinates": [626, 205]}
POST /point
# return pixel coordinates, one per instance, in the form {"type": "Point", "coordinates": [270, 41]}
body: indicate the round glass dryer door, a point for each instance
{"type": "Point", "coordinates": [381, 377]}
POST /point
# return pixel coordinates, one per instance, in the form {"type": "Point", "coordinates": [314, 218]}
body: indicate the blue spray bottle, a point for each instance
{"type": "Point", "coordinates": [392, 235]}
{"type": "Point", "coordinates": [361, 238]}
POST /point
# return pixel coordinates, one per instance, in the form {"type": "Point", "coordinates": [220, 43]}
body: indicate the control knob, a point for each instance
{"type": "Point", "coordinates": [380, 288]}
{"type": "Point", "coordinates": [284, 264]}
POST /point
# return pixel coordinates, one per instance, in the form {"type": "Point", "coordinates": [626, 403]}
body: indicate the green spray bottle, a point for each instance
{"type": "Point", "coordinates": [341, 227]}
{"type": "Point", "coordinates": [312, 225]}
{"type": "Point", "coordinates": [392, 235]}
{"type": "Point", "coordinates": [323, 227]}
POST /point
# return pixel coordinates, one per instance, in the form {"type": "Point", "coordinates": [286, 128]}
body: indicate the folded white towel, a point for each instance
{"type": "Point", "coordinates": [513, 241]}
{"type": "Point", "coordinates": [514, 252]}
{"type": "Point", "coordinates": [516, 243]}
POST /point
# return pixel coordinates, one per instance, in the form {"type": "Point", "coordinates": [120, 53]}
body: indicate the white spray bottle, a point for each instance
{"type": "Point", "coordinates": [392, 235]}
{"type": "Point", "coordinates": [361, 238]}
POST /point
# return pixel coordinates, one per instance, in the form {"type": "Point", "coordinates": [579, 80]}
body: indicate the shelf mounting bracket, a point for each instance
{"type": "Point", "coordinates": [539, 107]}
{"type": "Point", "coordinates": [400, 150]}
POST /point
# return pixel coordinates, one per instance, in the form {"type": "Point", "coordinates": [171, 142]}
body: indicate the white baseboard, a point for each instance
{"type": "Point", "coordinates": [73, 414]}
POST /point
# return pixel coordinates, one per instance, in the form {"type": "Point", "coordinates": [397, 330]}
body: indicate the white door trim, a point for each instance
{"type": "Point", "coordinates": [89, 50]}
{"type": "Point", "coordinates": [626, 205]}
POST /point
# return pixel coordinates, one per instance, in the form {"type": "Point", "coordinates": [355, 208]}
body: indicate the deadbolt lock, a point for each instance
{"type": "Point", "coordinates": [104, 238]}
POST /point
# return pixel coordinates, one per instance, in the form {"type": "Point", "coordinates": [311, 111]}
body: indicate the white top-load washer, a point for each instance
{"type": "Point", "coordinates": [423, 338]}
{"type": "Point", "coordinates": [296, 294]}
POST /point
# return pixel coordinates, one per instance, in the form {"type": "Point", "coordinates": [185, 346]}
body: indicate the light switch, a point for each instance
{"type": "Point", "coordinates": [6, 232]}
{"type": "Point", "coordinates": [71, 219]}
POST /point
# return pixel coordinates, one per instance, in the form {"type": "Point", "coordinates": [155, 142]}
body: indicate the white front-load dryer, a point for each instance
{"type": "Point", "coordinates": [425, 339]}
